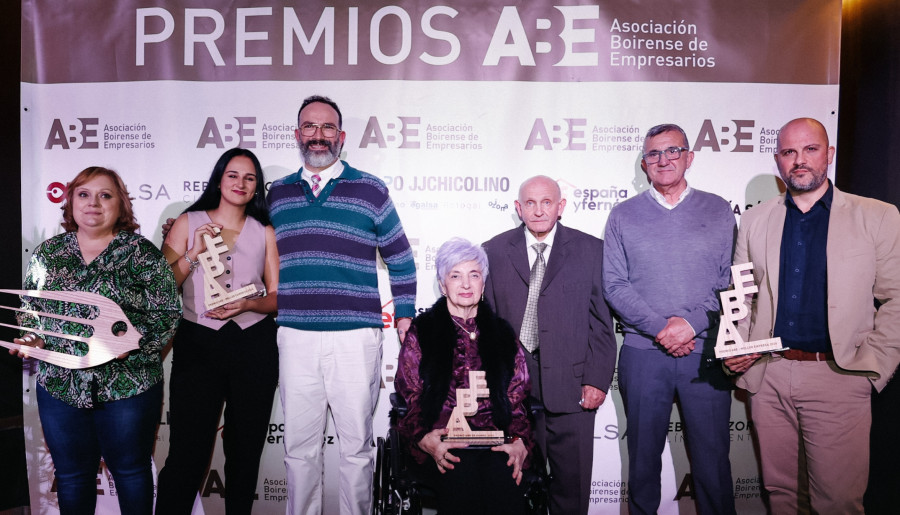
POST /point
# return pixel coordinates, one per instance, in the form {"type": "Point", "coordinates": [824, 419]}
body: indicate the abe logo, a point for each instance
{"type": "Point", "coordinates": [240, 133]}
{"type": "Point", "coordinates": [403, 133]}
{"type": "Point", "coordinates": [737, 135]}
{"type": "Point", "coordinates": [79, 134]}
{"type": "Point", "coordinates": [567, 134]}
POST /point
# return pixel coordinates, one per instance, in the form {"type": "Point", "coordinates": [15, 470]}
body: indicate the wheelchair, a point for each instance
{"type": "Point", "coordinates": [398, 493]}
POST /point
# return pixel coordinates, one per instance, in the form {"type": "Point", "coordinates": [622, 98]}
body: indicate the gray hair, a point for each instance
{"type": "Point", "coordinates": [666, 127]}
{"type": "Point", "coordinates": [455, 251]}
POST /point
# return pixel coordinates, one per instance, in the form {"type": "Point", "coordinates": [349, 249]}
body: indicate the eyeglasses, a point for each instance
{"type": "Point", "coordinates": [672, 154]}
{"type": "Point", "coordinates": [309, 129]}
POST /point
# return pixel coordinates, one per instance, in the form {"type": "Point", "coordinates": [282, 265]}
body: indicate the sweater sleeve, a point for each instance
{"type": "Point", "coordinates": [397, 254]}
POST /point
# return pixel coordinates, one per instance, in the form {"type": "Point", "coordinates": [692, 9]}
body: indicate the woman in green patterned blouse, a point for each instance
{"type": "Point", "coordinates": [111, 410]}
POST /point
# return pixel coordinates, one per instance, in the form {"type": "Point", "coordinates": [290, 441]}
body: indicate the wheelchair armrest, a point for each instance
{"type": "Point", "coordinates": [398, 406]}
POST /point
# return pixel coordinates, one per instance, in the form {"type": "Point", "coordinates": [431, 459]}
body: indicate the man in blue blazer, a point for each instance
{"type": "Point", "coordinates": [569, 341]}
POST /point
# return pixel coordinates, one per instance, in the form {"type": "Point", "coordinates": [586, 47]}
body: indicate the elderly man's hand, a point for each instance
{"type": "Point", "coordinates": [591, 397]}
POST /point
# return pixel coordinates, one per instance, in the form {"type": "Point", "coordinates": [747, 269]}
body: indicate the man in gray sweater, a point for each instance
{"type": "Point", "coordinates": [667, 255]}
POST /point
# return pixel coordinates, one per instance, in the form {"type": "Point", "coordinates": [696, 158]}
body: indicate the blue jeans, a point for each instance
{"type": "Point", "coordinates": [122, 432]}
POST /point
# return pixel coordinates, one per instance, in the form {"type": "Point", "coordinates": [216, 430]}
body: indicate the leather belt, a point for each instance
{"type": "Point", "coordinates": [803, 355]}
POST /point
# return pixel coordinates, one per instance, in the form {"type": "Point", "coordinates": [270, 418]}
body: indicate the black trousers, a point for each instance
{"type": "Point", "coordinates": [232, 366]}
{"type": "Point", "coordinates": [566, 441]}
{"type": "Point", "coordinates": [480, 483]}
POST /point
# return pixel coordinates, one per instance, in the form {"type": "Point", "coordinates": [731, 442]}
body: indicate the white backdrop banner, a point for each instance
{"type": "Point", "coordinates": [452, 104]}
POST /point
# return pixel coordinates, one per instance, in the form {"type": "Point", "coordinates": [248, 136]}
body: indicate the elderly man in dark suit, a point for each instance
{"type": "Point", "coordinates": [545, 280]}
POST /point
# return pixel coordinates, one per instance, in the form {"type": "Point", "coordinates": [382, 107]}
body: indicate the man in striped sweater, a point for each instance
{"type": "Point", "coordinates": [331, 221]}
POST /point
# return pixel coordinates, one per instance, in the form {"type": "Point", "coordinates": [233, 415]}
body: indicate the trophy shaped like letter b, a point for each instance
{"type": "Point", "coordinates": [214, 294]}
{"type": "Point", "coordinates": [729, 342]}
{"type": "Point", "coordinates": [466, 406]}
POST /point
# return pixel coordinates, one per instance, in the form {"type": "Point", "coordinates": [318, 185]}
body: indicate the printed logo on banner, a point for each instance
{"type": "Point", "coordinates": [686, 487]}
{"type": "Point", "coordinates": [246, 132]}
{"type": "Point", "coordinates": [154, 192]}
{"type": "Point", "coordinates": [272, 489]}
{"type": "Point", "coordinates": [613, 491]}
{"type": "Point", "coordinates": [238, 133]}
{"type": "Point", "coordinates": [576, 46]}
{"type": "Point", "coordinates": [577, 134]}
{"type": "Point", "coordinates": [734, 134]}
{"type": "Point", "coordinates": [452, 183]}
{"type": "Point", "coordinates": [414, 247]}
{"type": "Point", "coordinates": [409, 132]}
{"type": "Point", "coordinates": [87, 133]}
{"type": "Point", "coordinates": [56, 192]}
{"type": "Point", "coordinates": [592, 199]}
{"type": "Point", "coordinates": [746, 487]}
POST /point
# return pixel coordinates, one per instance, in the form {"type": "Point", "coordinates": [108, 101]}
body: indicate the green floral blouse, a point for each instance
{"type": "Point", "coordinates": [133, 273]}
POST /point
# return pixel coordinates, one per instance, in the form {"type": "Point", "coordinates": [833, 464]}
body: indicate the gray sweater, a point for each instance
{"type": "Point", "coordinates": [660, 263]}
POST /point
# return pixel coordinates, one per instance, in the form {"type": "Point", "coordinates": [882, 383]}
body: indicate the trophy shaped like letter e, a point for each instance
{"type": "Point", "coordinates": [214, 294]}
{"type": "Point", "coordinates": [729, 342]}
{"type": "Point", "coordinates": [466, 406]}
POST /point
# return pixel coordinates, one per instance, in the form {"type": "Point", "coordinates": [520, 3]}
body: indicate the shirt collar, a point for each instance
{"type": "Point", "coordinates": [825, 200]}
{"type": "Point", "coordinates": [325, 175]}
{"type": "Point", "coordinates": [531, 240]}
{"type": "Point", "coordinates": [304, 174]}
{"type": "Point", "coordinates": [662, 200]}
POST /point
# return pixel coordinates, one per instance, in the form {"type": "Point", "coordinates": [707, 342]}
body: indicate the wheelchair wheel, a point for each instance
{"type": "Point", "coordinates": [380, 486]}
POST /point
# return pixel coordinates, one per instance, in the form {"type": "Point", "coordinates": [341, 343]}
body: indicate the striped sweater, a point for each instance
{"type": "Point", "coordinates": [327, 249]}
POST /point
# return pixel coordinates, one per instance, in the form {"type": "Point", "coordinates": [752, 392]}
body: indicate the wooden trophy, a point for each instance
{"type": "Point", "coordinates": [214, 294]}
{"type": "Point", "coordinates": [466, 406]}
{"type": "Point", "coordinates": [729, 342]}
{"type": "Point", "coordinates": [103, 344]}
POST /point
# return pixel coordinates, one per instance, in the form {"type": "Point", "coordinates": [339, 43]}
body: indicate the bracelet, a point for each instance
{"type": "Point", "coordinates": [193, 264]}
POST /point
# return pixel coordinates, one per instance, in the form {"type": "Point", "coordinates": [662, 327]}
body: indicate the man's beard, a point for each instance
{"type": "Point", "coordinates": [319, 158]}
{"type": "Point", "coordinates": [816, 178]}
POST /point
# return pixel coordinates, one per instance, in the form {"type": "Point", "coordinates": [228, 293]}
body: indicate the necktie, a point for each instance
{"type": "Point", "coordinates": [529, 333]}
{"type": "Point", "coordinates": [315, 180]}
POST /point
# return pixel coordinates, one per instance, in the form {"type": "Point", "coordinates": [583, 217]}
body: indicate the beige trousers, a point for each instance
{"type": "Point", "coordinates": [812, 420]}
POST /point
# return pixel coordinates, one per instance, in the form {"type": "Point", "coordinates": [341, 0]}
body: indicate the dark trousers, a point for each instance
{"type": "Point", "coordinates": [649, 381]}
{"type": "Point", "coordinates": [566, 441]}
{"type": "Point", "coordinates": [122, 431]}
{"type": "Point", "coordinates": [481, 483]}
{"type": "Point", "coordinates": [234, 367]}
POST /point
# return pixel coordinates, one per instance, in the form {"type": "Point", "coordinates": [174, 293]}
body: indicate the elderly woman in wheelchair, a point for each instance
{"type": "Point", "coordinates": [459, 334]}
